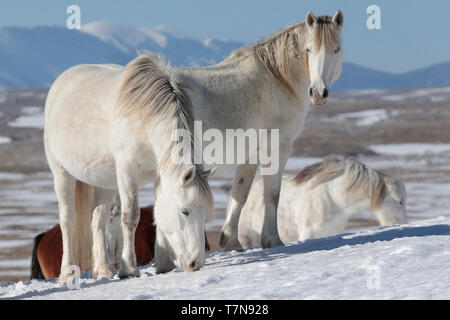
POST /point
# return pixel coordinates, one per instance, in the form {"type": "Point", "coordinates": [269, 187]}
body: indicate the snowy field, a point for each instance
{"type": "Point", "coordinates": [439, 94]}
{"type": "Point", "coordinates": [32, 117]}
{"type": "Point", "coordinates": [29, 206]}
{"type": "Point", "coordinates": [368, 262]}
{"type": "Point", "coordinates": [402, 262]}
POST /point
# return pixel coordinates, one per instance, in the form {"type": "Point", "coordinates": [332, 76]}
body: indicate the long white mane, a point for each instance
{"type": "Point", "coordinates": [152, 91]}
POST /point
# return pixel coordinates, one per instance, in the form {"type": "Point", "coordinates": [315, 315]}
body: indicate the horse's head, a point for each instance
{"type": "Point", "coordinates": [324, 54]}
{"type": "Point", "coordinates": [183, 198]}
{"type": "Point", "coordinates": [393, 208]}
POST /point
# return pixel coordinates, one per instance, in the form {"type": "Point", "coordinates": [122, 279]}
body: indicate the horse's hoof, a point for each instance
{"type": "Point", "coordinates": [68, 275]}
{"type": "Point", "coordinates": [164, 269]}
{"type": "Point", "coordinates": [228, 243]}
{"type": "Point", "coordinates": [271, 243]}
{"type": "Point", "coordinates": [100, 273]}
{"type": "Point", "coordinates": [64, 278]}
{"type": "Point", "coordinates": [129, 273]}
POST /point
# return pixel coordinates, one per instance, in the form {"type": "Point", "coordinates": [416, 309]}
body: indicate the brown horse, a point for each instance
{"type": "Point", "coordinates": [47, 249]}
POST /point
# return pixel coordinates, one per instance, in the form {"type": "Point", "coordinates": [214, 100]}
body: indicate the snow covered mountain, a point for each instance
{"type": "Point", "coordinates": [179, 48]}
{"type": "Point", "coordinates": [34, 57]}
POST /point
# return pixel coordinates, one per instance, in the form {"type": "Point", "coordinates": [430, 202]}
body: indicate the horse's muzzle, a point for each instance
{"type": "Point", "coordinates": [318, 98]}
{"type": "Point", "coordinates": [318, 102]}
{"type": "Point", "coordinates": [193, 266]}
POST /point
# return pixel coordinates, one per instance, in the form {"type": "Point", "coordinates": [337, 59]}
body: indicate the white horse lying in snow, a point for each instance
{"type": "Point", "coordinates": [319, 200]}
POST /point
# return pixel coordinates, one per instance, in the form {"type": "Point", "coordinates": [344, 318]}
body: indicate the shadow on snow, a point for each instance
{"type": "Point", "coordinates": [311, 245]}
{"type": "Point", "coordinates": [334, 242]}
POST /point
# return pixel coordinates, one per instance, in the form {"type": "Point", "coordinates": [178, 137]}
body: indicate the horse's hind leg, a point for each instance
{"type": "Point", "coordinates": [65, 192]}
{"type": "Point", "coordinates": [118, 250]}
{"type": "Point", "coordinates": [100, 217]}
{"type": "Point", "coordinates": [114, 235]}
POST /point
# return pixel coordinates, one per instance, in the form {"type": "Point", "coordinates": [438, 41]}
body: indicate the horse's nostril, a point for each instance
{"type": "Point", "coordinates": [193, 264]}
{"type": "Point", "coordinates": [310, 92]}
{"type": "Point", "coordinates": [325, 93]}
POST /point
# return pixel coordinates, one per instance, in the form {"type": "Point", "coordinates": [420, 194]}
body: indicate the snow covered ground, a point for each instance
{"type": "Point", "coordinates": [29, 206]}
{"type": "Point", "coordinates": [438, 94]}
{"type": "Point", "coordinates": [401, 262]}
{"type": "Point", "coordinates": [316, 268]}
{"type": "Point", "coordinates": [32, 117]}
{"type": "Point", "coordinates": [363, 118]}
{"type": "Point", "coordinates": [411, 148]}
{"type": "Point", "coordinates": [5, 139]}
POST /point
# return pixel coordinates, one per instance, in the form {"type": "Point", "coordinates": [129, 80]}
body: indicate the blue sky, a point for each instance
{"type": "Point", "coordinates": [414, 34]}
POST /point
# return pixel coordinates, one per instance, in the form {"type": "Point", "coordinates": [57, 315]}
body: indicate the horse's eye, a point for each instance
{"type": "Point", "coordinates": [185, 212]}
{"type": "Point", "coordinates": [338, 49]}
{"type": "Point", "coordinates": [401, 203]}
{"type": "Point", "coordinates": [308, 50]}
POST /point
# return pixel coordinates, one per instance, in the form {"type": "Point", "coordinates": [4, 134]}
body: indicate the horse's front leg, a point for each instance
{"type": "Point", "coordinates": [128, 192]}
{"type": "Point", "coordinates": [272, 185]}
{"type": "Point", "coordinates": [163, 254]}
{"type": "Point", "coordinates": [65, 192]}
{"type": "Point", "coordinates": [239, 193]}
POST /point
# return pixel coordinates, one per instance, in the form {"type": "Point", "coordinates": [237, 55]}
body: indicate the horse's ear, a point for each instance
{"type": "Point", "coordinates": [188, 176]}
{"type": "Point", "coordinates": [310, 19]}
{"type": "Point", "coordinates": [338, 19]}
{"type": "Point", "coordinates": [209, 173]}
{"type": "Point", "coordinates": [389, 183]}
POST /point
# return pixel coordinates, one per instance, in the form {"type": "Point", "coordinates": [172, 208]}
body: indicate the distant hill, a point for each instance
{"type": "Point", "coordinates": [34, 57]}
{"type": "Point", "coordinates": [355, 77]}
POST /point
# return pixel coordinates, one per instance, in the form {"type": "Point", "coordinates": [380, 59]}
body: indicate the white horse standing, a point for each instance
{"type": "Point", "coordinates": [267, 86]}
{"type": "Point", "coordinates": [319, 200]}
{"type": "Point", "coordinates": [109, 128]}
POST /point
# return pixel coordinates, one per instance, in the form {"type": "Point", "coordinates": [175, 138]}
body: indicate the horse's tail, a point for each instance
{"type": "Point", "coordinates": [36, 271]}
{"type": "Point", "coordinates": [82, 238]}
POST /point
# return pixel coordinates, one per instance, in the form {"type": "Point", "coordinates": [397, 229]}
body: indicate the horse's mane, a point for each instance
{"type": "Point", "coordinates": [153, 91]}
{"type": "Point", "coordinates": [321, 172]}
{"type": "Point", "coordinates": [358, 177]}
{"type": "Point", "coordinates": [276, 51]}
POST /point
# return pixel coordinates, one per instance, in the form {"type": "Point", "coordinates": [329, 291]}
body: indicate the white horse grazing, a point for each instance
{"type": "Point", "coordinates": [109, 128]}
{"type": "Point", "coordinates": [319, 200]}
{"type": "Point", "coordinates": [266, 86]}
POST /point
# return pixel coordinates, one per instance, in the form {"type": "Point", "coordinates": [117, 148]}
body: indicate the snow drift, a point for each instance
{"type": "Point", "coordinates": [401, 262]}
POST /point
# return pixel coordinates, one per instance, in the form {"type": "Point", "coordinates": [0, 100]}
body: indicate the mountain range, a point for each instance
{"type": "Point", "coordinates": [34, 57]}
